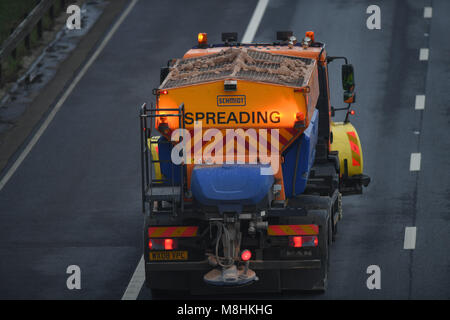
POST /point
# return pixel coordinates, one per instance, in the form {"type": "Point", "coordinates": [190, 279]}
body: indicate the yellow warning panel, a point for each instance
{"type": "Point", "coordinates": [346, 142]}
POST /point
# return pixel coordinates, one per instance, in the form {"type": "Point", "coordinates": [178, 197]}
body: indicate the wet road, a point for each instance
{"type": "Point", "coordinates": [75, 200]}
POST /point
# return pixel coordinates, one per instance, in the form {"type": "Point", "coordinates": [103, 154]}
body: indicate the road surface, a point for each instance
{"type": "Point", "coordinates": [75, 199]}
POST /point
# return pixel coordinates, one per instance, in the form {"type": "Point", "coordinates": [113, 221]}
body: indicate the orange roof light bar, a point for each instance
{"type": "Point", "coordinates": [310, 34]}
{"type": "Point", "coordinates": [202, 39]}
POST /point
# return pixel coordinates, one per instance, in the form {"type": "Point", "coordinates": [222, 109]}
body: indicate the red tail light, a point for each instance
{"type": "Point", "coordinates": [246, 255]}
{"type": "Point", "coordinates": [297, 242]}
{"type": "Point", "coordinates": [303, 241]}
{"type": "Point", "coordinates": [168, 244]}
{"type": "Point", "coordinates": [163, 244]}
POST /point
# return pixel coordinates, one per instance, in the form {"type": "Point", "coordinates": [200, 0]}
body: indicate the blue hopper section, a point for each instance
{"type": "Point", "coordinates": [230, 187]}
{"type": "Point", "coordinates": [303, 159]}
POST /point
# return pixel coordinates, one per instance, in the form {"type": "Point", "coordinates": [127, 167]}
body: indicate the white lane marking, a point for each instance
{"type": "Point", "coordinates": [255, 21]}
{"type": "Point", "coordinates": [420, 102]}
{"type": "Point", "coordinates": [63, 98]}
{"type": "Point", "coordinates": [427, 12]}
{"type": "Point", "coordinates": [136, 282]}
{"type": "Point", "coordinates": [410, 238]}
{"type": "Point", "coordinates": [423, 54]}
{"type": "Point", "coordinates": [414, 164]}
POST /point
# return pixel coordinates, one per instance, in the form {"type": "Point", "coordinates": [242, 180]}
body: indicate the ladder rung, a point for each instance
{"type": "Point", "coordinates": [164, 193]}
{"type": "Point", "coordinates": [163, 109]}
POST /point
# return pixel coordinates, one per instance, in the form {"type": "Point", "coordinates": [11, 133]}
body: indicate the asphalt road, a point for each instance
{"type": "Point", "coordinates": [75, 200]}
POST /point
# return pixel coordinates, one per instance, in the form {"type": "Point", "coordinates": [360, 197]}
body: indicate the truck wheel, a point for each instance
{"type": "Point", "coordinates": [323, 284]}
{"type": "Point", "coordinates": [330, 234]}
{"type": "Point", "coordinates": [325, 243]}
{"type": "Point", "coordinates": [145, 240]}
{"type": "Point", "coordinates": [335, 230]}
{"type": "Point", "coordinates": [316, 279]}
{"type": "Point", "coordinates": [338, 211]}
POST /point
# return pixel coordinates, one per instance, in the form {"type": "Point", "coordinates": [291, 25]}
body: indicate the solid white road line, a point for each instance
{"type": "Point", "coordinates": [423, 54]}
{"type": "Point", "coordinates": [136, 282]}
{"type": "Point", "coordinates": [63, 98]}
{"type": "Point", "coordinates": [427, 12]}
{"type": "Point", "coordinates": [255, 21]}
{"type": "Point", "coordinates": [414, 164]}
{"type": "Point", "coordinates": [410, 238]}
{"type": "Point", "coordinates": [420, 102]}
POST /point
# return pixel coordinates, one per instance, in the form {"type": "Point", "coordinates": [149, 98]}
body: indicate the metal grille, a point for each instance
{"type": "Point", "coordinates": [265, 77]}
{"type": "Point", "coordinates": [240, 63]}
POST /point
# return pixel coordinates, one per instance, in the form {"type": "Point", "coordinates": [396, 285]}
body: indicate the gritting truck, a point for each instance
{"type": "Point", "coordinates": [243, 169]}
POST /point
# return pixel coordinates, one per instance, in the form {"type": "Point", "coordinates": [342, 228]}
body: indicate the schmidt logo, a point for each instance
{"type": "Point", "coordinates": [231, 101]}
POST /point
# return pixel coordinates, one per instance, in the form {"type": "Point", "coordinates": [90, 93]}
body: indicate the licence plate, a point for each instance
{"type": "Point", "coordinates": [168, 255]}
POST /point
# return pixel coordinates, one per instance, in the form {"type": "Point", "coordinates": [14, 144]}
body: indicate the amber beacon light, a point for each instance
{"type": "Point", "coordinates": [202, 39]}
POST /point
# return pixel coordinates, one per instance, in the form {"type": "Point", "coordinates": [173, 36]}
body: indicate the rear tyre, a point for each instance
{"type": "Point", "coordinates": [335, 230]}
{"type": "Point", "coordinates": [322, 285]}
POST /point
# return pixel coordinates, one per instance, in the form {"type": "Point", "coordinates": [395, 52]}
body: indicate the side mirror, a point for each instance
{"type": "Point", "coordinates": [348, 78]}
{"type": "Point", "coordinates": [229, 37]}
{"type": "Point", "coordinates": [349, 97]}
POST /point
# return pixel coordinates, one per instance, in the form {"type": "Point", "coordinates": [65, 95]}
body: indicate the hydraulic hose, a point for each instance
{"type": "Point", "coordinates": [228, 260]}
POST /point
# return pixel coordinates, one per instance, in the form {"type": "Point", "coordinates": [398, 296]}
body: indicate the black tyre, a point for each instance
{"type": "Point", "coordinates": [323, 218]}
{"type": "Point", "coordinates": [335, 230]}
{"type": "Point", "coordinates": [322, 285]}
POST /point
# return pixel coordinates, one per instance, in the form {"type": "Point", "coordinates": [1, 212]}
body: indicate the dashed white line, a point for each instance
{"type": "Point", "coordinates": [136, 282]}
{"type": "Point", "coordinates": [409, 242]}
{"type": "Point", "coordinates": [410, 238]}
{"type": "Point", "coordinates": [423, 54]}
{"type": "Point", "coordinates": [420, 102]}
{"type": "Point", "coordinates": [255, 21]}
{"type": "Point", "coordinates": [414, 164]}
{"type": "Point", "coordinates": [64, 97]}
